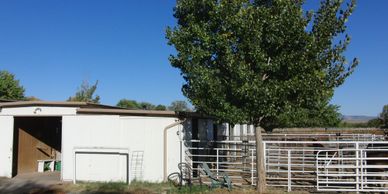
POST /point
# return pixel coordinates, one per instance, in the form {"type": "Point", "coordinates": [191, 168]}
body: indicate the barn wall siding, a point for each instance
{"type": "Point", "coordinates": [142, 136]}
{"type": "Point", "coordinates": [87, 132]}
{"type": "Point", "coordinates": [6, 144]}
{"type": "Point", "coordinates": [145, 134]}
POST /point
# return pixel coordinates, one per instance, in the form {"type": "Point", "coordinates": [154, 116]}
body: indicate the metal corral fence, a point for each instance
{"type": "Point", "coordinates": [235, 158]}
{"type": "Point", "coordinates": [360, 169]}
{"type": "Point", "coordinates": [293, 163]}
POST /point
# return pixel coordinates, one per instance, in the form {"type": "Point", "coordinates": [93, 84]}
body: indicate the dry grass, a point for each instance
{"type": "Point", "coordinates": [164, 188]}
{"type": "Point", "coordinates": [136, 187]}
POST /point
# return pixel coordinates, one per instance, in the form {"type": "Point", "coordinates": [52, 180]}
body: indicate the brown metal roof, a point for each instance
{"type": "Point", "coordinates": [6, 100]}
{"type": "Point", "coordinates": [128, 112]}
{"type": "Point", "coordinates": [53, 103]}
{"type": "Point", "coordinates": [92, 108]}
{"type": "Point", "coordinates": [153, 113]}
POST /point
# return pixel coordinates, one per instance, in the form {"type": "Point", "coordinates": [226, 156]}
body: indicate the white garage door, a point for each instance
{"type": "Point", "coordinates": [102, 165]}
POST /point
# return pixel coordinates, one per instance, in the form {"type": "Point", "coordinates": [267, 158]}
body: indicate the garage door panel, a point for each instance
{"type": "Point", "coordinates": [101, 167]}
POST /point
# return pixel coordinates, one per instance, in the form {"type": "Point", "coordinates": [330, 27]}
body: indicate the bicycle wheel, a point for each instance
{"type": "Point", "coordinates": [175, 178]}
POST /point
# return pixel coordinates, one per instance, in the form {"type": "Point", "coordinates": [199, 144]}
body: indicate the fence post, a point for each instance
{"type": "Point", "coordinates": [303, 160]}
{"type": "Point", "coordinates": [289, 171]}
{"type": "Point", "coordinates": [357, 168]}
{"type": "Point", "coordinates": [265, 155]}
{"type": "Point", "coordinates": [217, 164]}
{"type": "Point", "coordinates": [326, 169]}
{"type": "Point", "coordinates": [317, 169]}
{"type": "Point", "coordinates": [362, 169]}
{"type": "Point", "coordinates": [252, 166]}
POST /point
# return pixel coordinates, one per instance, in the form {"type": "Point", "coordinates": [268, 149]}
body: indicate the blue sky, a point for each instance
{"type": "Point", "coordinates": [53, 45]}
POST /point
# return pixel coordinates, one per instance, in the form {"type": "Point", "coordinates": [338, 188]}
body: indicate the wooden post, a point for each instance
{"type": "Point", "coordinates": [261, 182]}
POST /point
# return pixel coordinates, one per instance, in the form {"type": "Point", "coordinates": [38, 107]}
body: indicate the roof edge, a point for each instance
{"type": "Point", "coordinates": [42, 103]}
{"type": "Point", "coordinates": [128, 112]}
{"type": "Point", "coordinates": [155, 113]}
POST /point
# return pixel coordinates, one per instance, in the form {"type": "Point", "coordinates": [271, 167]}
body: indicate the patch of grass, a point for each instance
{"type": "Point", "coordinates": [99, 187]}
{"type": "Point", "coordinates": [147, 187]}
{"type": "Point", "coordinates": [193, 189]}
{"type": "Point", "coordinates": [113, 186]}
{"type": "Point", "coordinates": [136, 187]}
{"type": "Point", "coordinates": [140, 187]}
{"type": "Point", "coordinates": [166, 188]}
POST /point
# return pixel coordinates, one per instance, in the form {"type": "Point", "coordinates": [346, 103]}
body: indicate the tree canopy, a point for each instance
{"type": "Point", "coordinates": [86, 93]}
{"type": "Point", "coordinates": [133, 104]}
{"type": "Point", "coordinates": [160, 107]}
{"type": "Point", "coordinates": [130, 104]}
{"type": "Point", "coordinates": [324, 116]}
{"type": "Point", "coordinates": [384, 116]}
{"type": "Point", "coordinates": [10, 87]}
{"type": "Point", "coordinates": [250, 61]}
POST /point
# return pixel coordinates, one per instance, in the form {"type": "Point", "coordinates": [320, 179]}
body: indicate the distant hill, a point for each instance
{"type": "Point", "coordinates": [356, 118]}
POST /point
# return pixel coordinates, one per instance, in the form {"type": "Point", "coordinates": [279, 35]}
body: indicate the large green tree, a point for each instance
{"type": "Point", "coordinates": [248, 61]}
{"type": "Point", "coordinates": [10, 87]}
{"type": "Point", "coordinates": [86, 93]}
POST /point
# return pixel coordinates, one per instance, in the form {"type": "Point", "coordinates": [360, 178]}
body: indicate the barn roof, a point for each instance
{"type": "Point", "coordinates": [93, 108]}
{"type": "Point", "coordinates": [54, 103]}
{"type": "Point", "coordinates": [128, 112]}
{"type": "Point", "coordinates": [6, 100]}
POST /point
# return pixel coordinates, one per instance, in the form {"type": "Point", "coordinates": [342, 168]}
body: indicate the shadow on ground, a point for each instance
{"type": "Point", "coordinates": [27, 187]}
{"type": "Point", "coordinates": [32, 183]}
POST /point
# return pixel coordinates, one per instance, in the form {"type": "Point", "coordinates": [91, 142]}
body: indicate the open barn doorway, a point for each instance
{"type": "Point", "coordinates": [36, 144]}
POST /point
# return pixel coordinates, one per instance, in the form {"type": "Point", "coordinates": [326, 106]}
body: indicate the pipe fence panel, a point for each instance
{"type": "Point", "coordinates": [359, 170]}
{"type": "Point", "coordinates": [294, 163]}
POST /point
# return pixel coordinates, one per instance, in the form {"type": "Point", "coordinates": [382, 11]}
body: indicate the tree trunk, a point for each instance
{"type": "Point", "coordinates": [261, 182]}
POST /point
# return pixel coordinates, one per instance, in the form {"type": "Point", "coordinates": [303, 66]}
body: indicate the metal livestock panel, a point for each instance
{"type": "Point", "coordinates": [358, 170]}
{"type": "Point", "coordinates": [288, 164]}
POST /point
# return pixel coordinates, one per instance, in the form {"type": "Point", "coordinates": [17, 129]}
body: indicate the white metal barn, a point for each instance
{"type": "Point", "coordinates": [91, 142]}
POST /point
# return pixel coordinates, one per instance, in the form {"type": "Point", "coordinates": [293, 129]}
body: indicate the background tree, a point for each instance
{"type": "Point", "coordinates": [247, 61]}
{"type": "Point", "coordinates": [86, 93]}
{"type": "Point", "coordinates": [377, 122]}
{"type": "Point", "coordinates": [32, 98]}
{"type": "Point", "coordinates": [325, 116]}
{"type": "Point", "coordinates": [179, 105]}
{"type": "Point", "coordinates": [130, 104]}
{"type": "Point", "coordinates": [160, 107]}
{"type": "Point", "coordinates": [384, 116]}
{"type": "Point", "coordinates": [10, 87]}
{"type": "Point", "coordinates": [133, 104]}
{"type": "Point", "coordinates": [146, 106]}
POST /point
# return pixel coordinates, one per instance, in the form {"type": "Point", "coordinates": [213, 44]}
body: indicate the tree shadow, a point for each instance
{"type": "Point", "coordinates": [29, 187]}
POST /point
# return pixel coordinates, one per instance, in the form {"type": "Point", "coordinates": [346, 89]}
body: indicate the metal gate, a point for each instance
{"type": "Point", "coordinates": [357, 170]}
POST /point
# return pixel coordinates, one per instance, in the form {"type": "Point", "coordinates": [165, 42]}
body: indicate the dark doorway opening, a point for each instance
{"type": "Point", "coordinates": [35, 139]}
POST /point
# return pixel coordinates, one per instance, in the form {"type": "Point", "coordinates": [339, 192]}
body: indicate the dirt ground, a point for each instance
{"type": "Point", "coordinates": [33, 183]}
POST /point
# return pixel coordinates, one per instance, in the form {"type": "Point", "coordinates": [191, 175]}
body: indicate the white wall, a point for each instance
{"type": "Point", "coordinates": [137, 134]}
{"type": "Point", "coordinates": [239, 131]}
{"type": "Point", "coordinates": [102, 164]}
{"type": "Point", "coordinates": [87, 132]}
{"type": "Point", "coordinates": [145, 134]}
{"type": "Point", "coordinates": [6, 143]}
